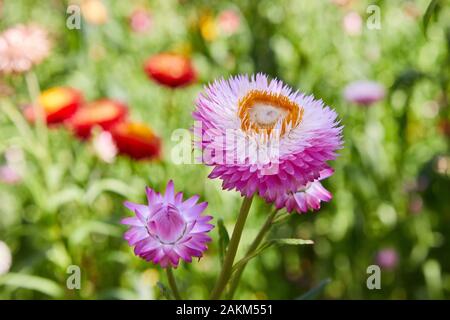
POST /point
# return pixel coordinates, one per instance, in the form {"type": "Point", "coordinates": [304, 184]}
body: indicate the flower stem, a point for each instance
{"type": "Point", "coordinates": [173, 284]}
{"type": "Point", "coordinates": [232, 249]}
{"type": "Point", "coordinates": [34, 92]}
{"type": "Point", "coordinates": [253, 247]}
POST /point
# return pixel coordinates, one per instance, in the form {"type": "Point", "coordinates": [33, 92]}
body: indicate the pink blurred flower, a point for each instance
{"type": "Point", "coordinates": [104, 146]}
{"type": "Point", "coordinates": [229, 21]}
{"type": "Point", "coordinates": [352, 23]}
{"type": "Point", "coordinates": [5, 258]}
{"type": "Point", "coordinates": [167, 229]}
{"type": "Point", "coordinates": [387, 258]}
{"type": "Point", "coordinates": [141, 21]}
{"type": "Point", "coordinates": [9, 175]}
{"type": "Point", "coordinates": [364, 92]}
{"type": "Point", "coordinates": [22, 47]}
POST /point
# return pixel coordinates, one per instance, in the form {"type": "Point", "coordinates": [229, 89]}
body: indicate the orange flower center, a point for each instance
{"type": "Point", "coordinates": [260, 111]}
{"type": "Point", "coordinates": [138, 130]}
{"type": "Point", "coordinates": [98, 111]}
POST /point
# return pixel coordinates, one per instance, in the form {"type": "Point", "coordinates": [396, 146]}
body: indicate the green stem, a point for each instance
{"type": "Point", "coordinates": [231, 250]}
{"type": "Point", "coordinates": [253, 247]}
{"type": "Point", "coordinates": [34, 92]}
{"type": "Point", "coordinates": [173, 284]}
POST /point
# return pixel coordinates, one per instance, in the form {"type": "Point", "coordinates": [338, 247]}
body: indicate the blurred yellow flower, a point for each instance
{"type": "Point", "coordinates": [208, 27]}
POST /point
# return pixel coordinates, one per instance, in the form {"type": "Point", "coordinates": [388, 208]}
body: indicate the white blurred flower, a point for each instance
{"type": "Point", "coordinates": [104, 147]}
{"type": "Point", "coordinates": [22, 47]}
{"type": "Point", "coordinates": [5, 258]}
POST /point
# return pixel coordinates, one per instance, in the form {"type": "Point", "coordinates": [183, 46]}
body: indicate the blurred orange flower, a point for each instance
{"type": "Point", "coordinates": [94, 12]}
{"type": "Point", "coordinates": [58, 103]}
{"type": "Point", "coordinates": [136, 140]}
{"type": "Point", "coordinates": [102, 113]}
{"type": "Point", "coordinates": [170, 69]}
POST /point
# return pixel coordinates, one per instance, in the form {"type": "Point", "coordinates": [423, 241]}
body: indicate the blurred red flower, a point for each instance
{"type": "Point", "coordinates": [58, 104]}
{"type": "Point", "coordinates": [170, 69]}
{"type": "Point", "coordinates": [136, 140]}
{"type": "Point", "coordinates": [102, 113]}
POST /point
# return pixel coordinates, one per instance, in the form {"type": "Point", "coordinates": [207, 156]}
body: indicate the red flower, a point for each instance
{"type": "Point", "coordinates": [170, 69]}
{"type": "Point", "coordinates": [102, 113]}
{"type": "Point", "coordinates": [136, 140]}
{"type": "Point", "coordinates": [58, 104]}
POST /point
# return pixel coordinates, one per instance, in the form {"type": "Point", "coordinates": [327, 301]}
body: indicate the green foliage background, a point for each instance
{"type": "Point", "coordinates": [67, 209]}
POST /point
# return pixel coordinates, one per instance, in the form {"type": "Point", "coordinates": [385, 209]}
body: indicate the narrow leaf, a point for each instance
{"type": "Point", "coordinates": [314, 292]}
{"type": "Point", "coordinates": [31, 282]}
{"type": "Point", "coordinates": [224, 239]}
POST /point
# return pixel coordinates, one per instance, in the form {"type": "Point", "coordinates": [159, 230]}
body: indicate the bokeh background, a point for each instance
{"type": "Point", "coordinates": [391, 187]}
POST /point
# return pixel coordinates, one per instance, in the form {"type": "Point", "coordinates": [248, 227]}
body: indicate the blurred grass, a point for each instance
{"type": "Point", "coordinates": [67, 211]}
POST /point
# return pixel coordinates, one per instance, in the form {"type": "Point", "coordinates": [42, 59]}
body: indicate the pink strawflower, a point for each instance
{"type": "Point", "coordinates": [364, 92]}
{"type": "Point", "coordinates": [140, 21]}
{"type": "Point", "coordinates": [8, 175]}
{"type": "Point", "coordinates": [352, 23]}
{"type": "Point", "coordinates": [261, 137]}
{"type": "Point", "coordinates": [168, 229]}
{"type": "Point", "coordinates": [229, 21]}
{"type": "Point", "coordinates": [387, 258]}
{"type": "Point", "coordinates": [307, 197]}
{"type": "Point", "coordinates": [22, 47]}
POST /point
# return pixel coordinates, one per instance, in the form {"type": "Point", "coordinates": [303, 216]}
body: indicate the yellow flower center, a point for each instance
{"type": "Point", "coordinates": [55, 98]}
{"type": "Point", "coordinates": [260, 111]}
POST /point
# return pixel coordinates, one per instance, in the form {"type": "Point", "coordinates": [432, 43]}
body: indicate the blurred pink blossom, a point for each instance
{"type": "Point", "coordinates": [5, 258]}
{"type": "Point", "coordinates": [352, 23]}
{"type": "Point", "coordinates": [387, 258]}
{"type": "Point", "coordinates": [141, 21]}
{"type": "Point", "coordinates": [364, 92]}
{"type": "Point", "coordinates": [9, 175]}
{"type": "Point", "coordinates": [229, 21]}
{"type": "Point", "coordinates": [22, 47]}
{"type": "Point", "coordinates": [104, 147]}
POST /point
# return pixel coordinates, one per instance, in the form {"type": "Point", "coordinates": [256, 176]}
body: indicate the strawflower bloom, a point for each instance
{"type": "Point", "coordinates": [364, 92]}
{"type": "Point", "coordinates": [284, 138]}
{"type": "Point", "coordinates": [307, 197]}
{"type": "Point", "coordinates": [170, 69]}
{"type": "Point", "coordinates": [136, 140]}
{"type": "Point", "coordinates": [58, 104]}
{"type": "Point", "coordinates": [22, 47]}
{"type": "Point", "coordinates": [167, 229]}
{"type": "Point", "coordinates": [104, 113]}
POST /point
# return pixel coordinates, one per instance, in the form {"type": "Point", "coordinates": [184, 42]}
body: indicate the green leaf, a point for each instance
{"type": "Point", "coordinates": [31, 282]}
{"type": "Point", "coordinates": [224, 239]}
{"type": "Point", "coordinates": [314, 292]}
{"type": "Point", "coordinates": [112, 185]}
{"type": "Point", "coordinates": [292, 242]}
{"type": "Point", "coordinates": [86, 228]}
{"type": "Point", "coordinates": [432, 9]}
